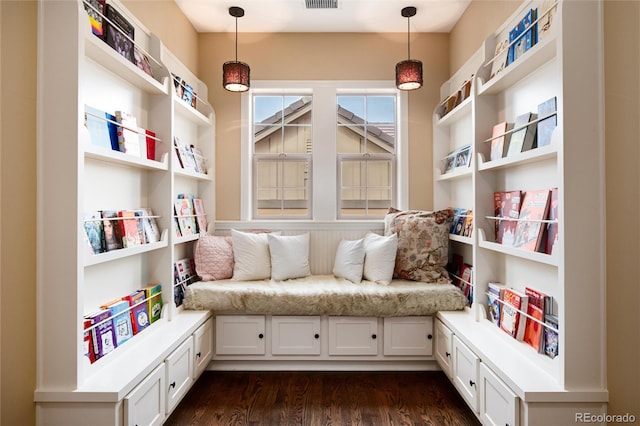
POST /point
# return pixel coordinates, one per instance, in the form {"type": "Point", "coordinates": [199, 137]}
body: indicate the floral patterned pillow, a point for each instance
{"type": "Point", "coordinates": [423, 243]}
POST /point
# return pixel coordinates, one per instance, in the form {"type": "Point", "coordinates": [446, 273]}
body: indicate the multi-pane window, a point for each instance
{"type": "Point", "coordinates": [324, 150]}
{"type": "Point", "coordinates": [282, 148]}
{"type": "Point", "coordinates": [366, 145]}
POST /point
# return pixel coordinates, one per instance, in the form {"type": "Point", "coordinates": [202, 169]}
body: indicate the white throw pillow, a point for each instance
{"type": "Point", "coordinates": [380, 257]}
{"type": "Point", "coordinates": [251, 256]}
{"type": "Point", "coordinates": [349, 261]}
{"type": "Point", "coordinates": [289, 256]}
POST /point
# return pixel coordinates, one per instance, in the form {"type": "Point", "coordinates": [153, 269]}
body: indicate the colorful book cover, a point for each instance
{"type": "Point", "coordinates": [96, 10]}
{"type": "Point", "coordinates": [510, 319]}
{"type": "Point", "coordinates": [128, 140]}
{"type": "Point", "coordinates": [94, 229]}
{"type": "Point", "coordinates": [112, 230]}
{"type": "Point", "coordinates": [551, 336]}
{"type": "Point", "coordinates": [139, 311]}
{"type": "Point", "coordinates": [494, 306]}
{"type": "Point", "coordinates": [539, 305]}
{"type": "Point", "coordinates": [548, 121]}
{"type": "Point", "coordinates": [468, 224]}
{"type": "Point", "coordinates": [201, 215]}
{"type": "Point", "coordinates": [523, 36]}
{"type": "Point", "coordinates": [552, 227]}
{"type": "Point", "coordinates": [184, 213]}
{"type": "Point", "coordinates": [121, 320]}
{"type": "Point", "coordinates": [153, 294]}
{"type": "Point", "coordinates": [507, 205]}
{"type": "Point", "coordinates": [129, 229]}
{"type": "Point", "coordinates": [151, 230]}
{"type": "Point", "coordinates": [90, 356]}
{"type": "Point", "coordinates": [530, 227]}
{"type": "Point", "coordinates": [103, 334]}
{"type": "Point", "coordinates": [119, 33]}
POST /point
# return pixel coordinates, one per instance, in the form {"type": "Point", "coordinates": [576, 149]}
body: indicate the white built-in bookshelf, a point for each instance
{"type": "Point", "coordinates": [142, 380]}
{"type": "Point", "coordinates": [495, 373]}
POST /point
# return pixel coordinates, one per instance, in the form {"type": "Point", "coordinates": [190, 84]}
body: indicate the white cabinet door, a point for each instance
{"type": "Point", "coordinates": [444, 351]}
{"type": "Point", "coordinates": [179, 367]}
{"type": "Point", "coordinates": [465, 372]}
{"type": "Point", "coordinates": [408, 336]}
{"type": "Point", "coordinates": [203, 347]}
{"type": "Point", "coordinates": [145, 404]}
{"type": "Point", "coordinates": [499, 406]}
{"type": "Point", "coordinates": [353, 336]}
{"type": "Point", "coordinates": [295, 335]}
{"type": "Point", "coordinates": [240, 335]}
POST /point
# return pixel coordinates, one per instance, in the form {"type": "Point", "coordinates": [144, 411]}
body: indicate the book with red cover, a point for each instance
{"type": "Point", "coordinates": [530, 228]}
{"type": "Point", "coordinates": [552, 228]}
{"type": "Point", "coordinates": [507, 205]}
{"type": "Point", "coordinates": [534, 331]}
{"type": "Point", "coordinates": [88, 343]}
{"type": "Point", "coordinates": [510, 319]}
{"type": "Point", "coordinates": [139, 313]}
{"type": "Point", "coordinates": [129, 228]}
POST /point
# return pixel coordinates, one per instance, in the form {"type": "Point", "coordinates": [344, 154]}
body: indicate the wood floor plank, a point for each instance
{"type": "Point", "coordinates": [322, 399]}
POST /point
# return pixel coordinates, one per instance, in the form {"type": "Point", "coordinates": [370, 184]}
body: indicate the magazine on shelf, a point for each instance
{"type": "Point", "coordinates": [511, 321]}
{"type": "Point", "coordinates": [112, 230]}
{"type": "Point", "coordinates": [494, 297]}
{"type": "Point", "coordinates": [500, 140]}
{"type": "Point", "coordinates": [506, 205]}
{"type": "Point", "coordinates": [128, 139]}
{"type": "Point", "coordinates": [524, 134]}
{"type": "Point", "coordinates": [94, 230]}
{"type": "Point", "coordinates": [530, 227]}
{"type": "Point", "coordinates": [119, 33]}
{"type": "Point", "coordinates": [548, 121]}
{"type": "Point", "coordinates": [96, 10]}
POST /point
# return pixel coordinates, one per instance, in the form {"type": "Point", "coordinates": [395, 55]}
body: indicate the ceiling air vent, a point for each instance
{"type": "Point", "coordinates": [321, 4]}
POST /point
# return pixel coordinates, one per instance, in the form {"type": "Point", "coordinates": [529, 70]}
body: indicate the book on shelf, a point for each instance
{"type": "Point", "coordinates": [150, 225]}
{"type": "Point", "coordinates": [548, 121]}
{"type": "Point", "coordinates": [507, 205]}
{"type": "Point", "coordinates": [466, 281]}
{"type": "Point", "coordinates": [548, 9]}
{"type": "Point", "coordinates": [102, 334]}
{"type": "Point", "coordinates": [523, 36]}
{"type": "Point", "coordinates": [94, 230]}
{"type": "Point", "coordinates": [119, 33]}
{"type": "Point", "coordinates": [153, 293]}
{"type": "Point", "coordinates": [457, 211]}
{"type": "Point", "coordinates": [201, 215]}
{"type": "Point", "coordinates": [147, 143]}
{"type": "Point", "coordinates": [178, 286]}
{"type": "Point", "coordinates": [551, 335]}
{"type": "Point", "coordinates": [121, 318]}
{"type": "Point", "coordinates": [511, 321]}
{"type": "Point", "coordinates": [530, 227]}
{"type": "Point", "coordinates": [463, 157]}
{"type": "Point", "coordinates": [87, 342]}
{"type": "Point", "coordinates": [524, 134]}
{"type": "Point", "coordinates": [96, 10]}
{"type": "Point", "coordinates": [97, 126]}
{"type": "Point", "coordinates": [139, 312]}
{"type": "Point", "coordinates": [112, 230]}
{"type": "Point", "coordinates": [200, 160]}
{"type": "Point", "coordinates": [185, 216]}
{"type": "Point", "coordinates": [500, 140]}
{"type": "Point", "coordinates": [458, 221]}
{"type": "Point", "coordinates": [448, 163]}
{"type": "Point", "coordinates": [140, 215]}
{"type": "Point", "coordinates": [500, 57]}
{"type": "Point", "coordinates": [128, 140]}
{"type": "Point", "coordinates": [551, 232]}
{"type": "Point", "coordinates": [495, 293]}
{"type": "Point", "coordinates": [185, 155]}
{"type": "Point", "coordinates": [539, 306]}
{"type": "Point", "coordinates": [468, 224]}
{"type": "Point", "coordinates": [129, 228]}
{"type": "Point", "coordinates": [142, 61]}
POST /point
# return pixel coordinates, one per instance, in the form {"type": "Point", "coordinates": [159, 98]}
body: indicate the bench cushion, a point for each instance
{"type": "Point", "coordinates": [323, 295]}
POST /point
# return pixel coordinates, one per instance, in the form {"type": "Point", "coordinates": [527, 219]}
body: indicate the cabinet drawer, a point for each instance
{"type": "Point", "coordinates": [465, 372]}
{"type": "Point", "coordinates": [297, 335]}
{"type": "Point", "coordinates": [203, 347]}
{"type": "Point", "coordinates": [240, 335]}
{"type": "Point", "coordinates": [353, 336]}
{"type": "Point", "coordinates": [408, 336]}
{"type": "Point", "coordinates": [499, 406]}
{"type": "Point", "coordinates": [179, 367]}
{"type": "Point", "coordinates": [145, 404]}
{"type": "Point", "coordinates": [444, 349]}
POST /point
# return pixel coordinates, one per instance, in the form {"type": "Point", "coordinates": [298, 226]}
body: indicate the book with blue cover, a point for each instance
{"type": "Point", "coordinates": [523, 36]}
{"type": "Point", "coordinates": [121, 320]}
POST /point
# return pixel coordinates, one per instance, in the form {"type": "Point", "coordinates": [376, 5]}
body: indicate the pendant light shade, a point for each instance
{"type": "Point", "coordinates": [236, 74]}
{"type": "Point", "coordinates": [409, 71]}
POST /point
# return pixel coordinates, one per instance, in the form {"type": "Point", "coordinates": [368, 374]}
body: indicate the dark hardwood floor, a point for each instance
{"type": "Point", "coordinates": [322, 398]}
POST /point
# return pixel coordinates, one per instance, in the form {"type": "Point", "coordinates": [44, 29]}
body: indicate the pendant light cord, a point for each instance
{"type": "Point", "coordinates": [408, 39]}
{"type": "Point", "coordinates": [236, 39]}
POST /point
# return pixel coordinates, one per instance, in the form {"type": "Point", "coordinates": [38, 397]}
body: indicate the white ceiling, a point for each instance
{"type": "Point", "coordinates": [350, 16]}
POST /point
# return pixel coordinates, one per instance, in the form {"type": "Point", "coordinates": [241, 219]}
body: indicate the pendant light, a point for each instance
{"type": "Point", "coordinates": [409, 71]}
{"type": "Point", "coordinates": [235, 74]}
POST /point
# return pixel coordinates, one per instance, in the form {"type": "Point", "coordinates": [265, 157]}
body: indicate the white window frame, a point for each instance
{"type": "Point", "coordinates": [324, 203]}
